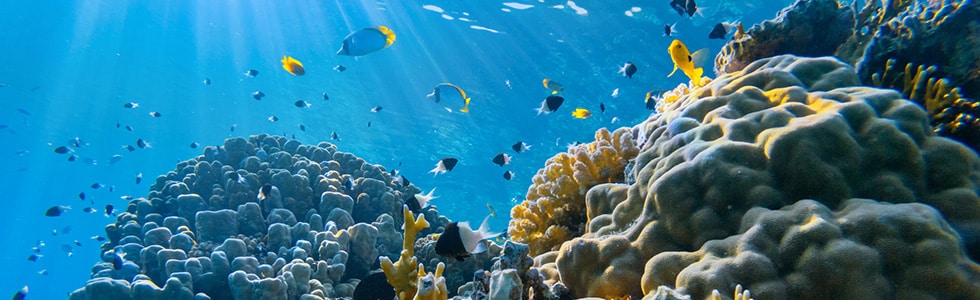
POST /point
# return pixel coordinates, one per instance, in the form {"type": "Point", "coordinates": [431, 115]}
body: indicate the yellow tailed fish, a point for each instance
{"type": "Point", "coordinates": [367, 40]}
{"type": "Point", "coordinates": [581, 113]}
{"type": "Point", "coordinates": [552, 85]}
{"type": "Point", "coordinates": [450, 96]}
{"type": "Point", "coordinates": [684, 60]}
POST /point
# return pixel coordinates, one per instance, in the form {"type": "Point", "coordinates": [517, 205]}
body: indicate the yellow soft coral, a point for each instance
{"type": "Point", "coordinates": [918, 83]}
{"type": "Point", "coordinates": [402, 275]}
{"type": "Point", "coordinates": [554, 209]}
{"type": "Point", "coordinates": [431, 287]}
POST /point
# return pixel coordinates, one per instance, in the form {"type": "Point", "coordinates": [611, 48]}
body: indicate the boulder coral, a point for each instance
{"type": "Point", "coordinates": [554, 208]}
{"type": "Point", "coordinates": [202, 232]}
{"type": "Point", "coordinates": [724, 169]}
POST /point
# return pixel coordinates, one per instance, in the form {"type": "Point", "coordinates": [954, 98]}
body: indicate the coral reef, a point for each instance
{"type": "Point", "coordinates": [402, 275]}
{"type": "Point", "coordinates": [201, 232]}
{"type": "Point", "coordinates": [759, 169]}
{"type": "Point", "coordinates": [875, 37]}
{"type": "Point", "coordinates": [554, 208]}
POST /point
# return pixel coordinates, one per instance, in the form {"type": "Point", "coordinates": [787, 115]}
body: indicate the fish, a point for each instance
{"type": "Point", "coordinates": [21, 294]}
{"type": "Point", "coordinates": [141, 143]}
{"type": "Point", "coordinates": [376, 109]}
{"type": "Point", "coordinates": [207, 81]}
{"type": "Point", "coordinates": [77, 243]}
{"type": "Point", "coordinates": [129, 147]}
{"type": "Point", "coordinates": [686, 61]}
{"type": "Point", "coordinates": [126, 197]}
{"type": "Point", "coordinates": [88, 210]}
{"type": "Point", "coordinates": [493, 212]}
{"type": "Point", "coordinates": [62, 150]}
{"type": "Point", "coordinates": [23, 111]}
{"type": "Point", "coordinates": [333, 135]}
{"type": "Point", "coordinates": [369, 124]}
{"type": "Point", "coordinates": [194, 145]}
{"type": "Point", "coordinates": [81, 196]}
{"type": "Point", "coordinates": [264, 192]}
{"type": "Point", "coordinates": [129, 128]}
{"type": "Point", "coordinates": [550, 104]}
{"type": "Point", "coordinates": [292, 66]}
{"type": "Point", "coordinates": [98, 238]}
{"type": "Point", "coordinates": [96, 186]}
{"type": "Point", "coordinates": [349, 184]}
{"type": "Point", "coordinates": [34, 257]}
{"type": "Point", "coordinates": [233, 126]}
{"type": "Point", "coordinates": [669, 30]}
{"type": "Point", "coordinates": [628, 69]}
{"type": "Point", "coordinates": [366, 40]}
{"type": "Point", "coordinates": [444, 165]}
{"type": "Point", "coordinates": [257, 95]}
{"type": "Point", "coordinates": [251, 73]}
{"type": "Point", "coordinates": [520, 146]}
{"type": "Point", "coordinates": [419, 201]}
{"type": "Point", "coordinates": [602, 107]}
{"type": "Point", "coordinates": [273, 119]}
{"type": "Point", "coordinates": [401, 180]}
{"type": "Point", "coordinates": [508, 175]}
{"type": "Point", "coordinates": [684, 6]}
{"type": "Point", "coordinates": [72, 157]}
{"type": "Point", "coordinates": [652, 99]}
{"type": "Point", "coordinates": [615, 93]}
{"type": "Point", "coordinates": [115, 158]}
{"type": "Point", "coordinates": [339, 68]}
{"type": "Point", "coordinates": [43, 272]}
{"type": "Point", "coordinates": [581, 113]}
{"type": "Point", "coordinates": [155, 114]}
{"type": "Point", "coordinates": [67, 249]}
{"type": "Point", "coordinates": [118, 260]}
{"type": "Point", "coordinates": [451, 97]}
{"type": "Point", "coordinates": [459, 241]}
{"type": "Point", "coordinates": [325, 96]}
{"type": "Point", "coordinates": [721, 29]}
{"type": "Point", "coordinates": [108, 210]}
{"type": "Point", "coordinates": [302, 104]}
{"type": "Point", "coordinates": [552, 85]}
{"type": "Point", "coordinates": [131, 105]}
{"type": "Point", "coordinates": [56, 210]}
{"type": "Point", "coordinates": [302, 127]}
{"type": "Point", "coordinates": [139, 178]}
{"type": "Point", "coordinates": [374, 286]}
{"type": "Point", "coordinates": [501, 159]}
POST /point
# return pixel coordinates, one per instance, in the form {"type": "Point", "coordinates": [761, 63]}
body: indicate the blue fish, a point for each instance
{"type": "Point", "coordinates": [367, 40]}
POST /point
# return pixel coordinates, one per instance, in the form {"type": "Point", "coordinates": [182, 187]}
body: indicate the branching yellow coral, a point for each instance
{"type": "Point", "coordinates": [917, 83]}
{"type": "Point", "coordinates": [554, 208]}
{"type": "Point", "coordinates": [431, 287]}
{"type": "Point", "coordinates": [402, 275]}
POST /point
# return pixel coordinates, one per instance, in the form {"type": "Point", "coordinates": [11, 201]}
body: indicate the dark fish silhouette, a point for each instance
{"type": "Point", "coordinates": [374, 286]}
{"type": "Point", "coordinates": [444, 165]}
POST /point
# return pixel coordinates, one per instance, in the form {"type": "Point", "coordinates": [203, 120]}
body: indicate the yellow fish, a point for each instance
{"type": "Point", "coordinates": [552, 85]}
{"type": "Point", "coordinates": [684, 60]}
{"type": "Point", "coordinates": [292, 66]}
{"type": "Point", "coordinates": [581, 113]}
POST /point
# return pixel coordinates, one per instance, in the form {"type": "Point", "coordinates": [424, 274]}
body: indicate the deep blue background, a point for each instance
{"type": "Point", "coordinates": [70, 65]}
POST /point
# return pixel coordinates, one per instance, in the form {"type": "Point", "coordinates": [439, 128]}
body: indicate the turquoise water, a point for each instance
{"type": "Point", "coordinates": [69, 66]}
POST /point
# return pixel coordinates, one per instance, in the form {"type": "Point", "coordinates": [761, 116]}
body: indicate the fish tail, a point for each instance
{"type": "Point", "coordinates": [466, 106]}
{"type": "Point", "coordinates": [697, 76]}
{"type": "Point", "coordinates": [484, 231]}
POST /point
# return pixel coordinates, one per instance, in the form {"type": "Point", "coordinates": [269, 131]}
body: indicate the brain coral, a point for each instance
{"type": "Point", "coordinates": [554, 208]}
{"type": "Point", "coordinates": [202, 233]}
{"type": "Point", "coordinates": [781, 130]}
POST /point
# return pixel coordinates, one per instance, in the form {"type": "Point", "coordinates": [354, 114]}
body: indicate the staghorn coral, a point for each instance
{"type": "Point", "coordinates": [431, 286]}
{"type": "Point", "coordinates": [782, 129]}
{"type": "Point", "coordinates": [202, 232]}
{"type": "Point", "coordinates": [554, 208]}
{"type": "Point", "coordinates": [404, 273]}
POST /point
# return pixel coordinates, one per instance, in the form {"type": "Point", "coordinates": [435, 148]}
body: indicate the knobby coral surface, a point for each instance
{"type": "Point", "coordinates": [554, 208]}
{"type": "Point", "coordinates": [783, 129]}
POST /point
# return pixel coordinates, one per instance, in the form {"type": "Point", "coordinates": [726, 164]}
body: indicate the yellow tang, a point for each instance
{"type": "Point", "coordinates": [581, 113]}
{"type": "Point", "coordinates": [684, 60]}
{"type": "Point", "coordinates": [367, 40]}
{"type": "Point", "coordinates": [450, 96]}
{"type": "Point", "coordinates": [292, 66]}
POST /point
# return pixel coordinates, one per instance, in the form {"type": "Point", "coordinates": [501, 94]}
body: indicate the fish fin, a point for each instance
{"type": "Point", "coordinates": [698, 58]}
{"type": "Point", "coordinates": [672, 72]}
{"type": "Point", "coordinates": [484, 231]}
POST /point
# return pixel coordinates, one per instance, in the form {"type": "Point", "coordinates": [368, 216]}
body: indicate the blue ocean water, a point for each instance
{"type": "Point", "coordinates": [69, 66]}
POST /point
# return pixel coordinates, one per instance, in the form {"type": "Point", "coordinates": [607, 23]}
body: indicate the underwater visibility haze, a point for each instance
{"type": "Point", "coordinates": [100, 100]}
